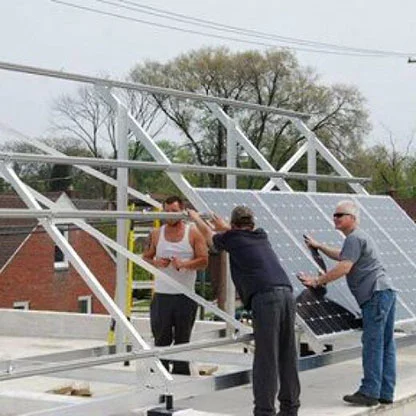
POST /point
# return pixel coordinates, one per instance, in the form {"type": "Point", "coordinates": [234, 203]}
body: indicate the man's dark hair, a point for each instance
{"type": "Point", "coordinates": [242, 216]}
{"type": "Point", "coordinates": [172, 199]}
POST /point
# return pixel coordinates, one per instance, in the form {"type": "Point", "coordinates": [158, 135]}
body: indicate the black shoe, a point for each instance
{"type": "Point", "coordinates": [385, 401]}
{"type": "Point", "coordinates": [360, 399]}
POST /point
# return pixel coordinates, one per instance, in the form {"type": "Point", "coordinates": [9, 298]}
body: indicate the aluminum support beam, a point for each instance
{"type": "Point", "coordinates": [288, 165]}
{"type": "Point", "coordinates": [93, 172]}
{"type": "Point", "coordinates": [175, 167]}
{"type": "Point", "coordinates": [247, 145]}
{"type": "Point", "coordinates": [79, 264]}
{"type": "Point", "coordinates": [231, 154]}
{"type": "Point", "coordinates": [50, 368]}
{"type": "Point", "coordinates": [71, 214]}
{"type": "Point", "coordinates": [147, 88]}
{"type": "Point", "coordinates": [122, 224]}
{"type": "Point", "coordinates": [328, 156]}
{"type": "Point", "coordinates": [149, 144]}
{"type": "Point", "coordinates": [231, 184]}
{"type": "Point", "coordinates": [157, 272]}
{"type": "Point", "coordinates": [311, 163]}
{"type": "Point", "coordinates": [147, 266]}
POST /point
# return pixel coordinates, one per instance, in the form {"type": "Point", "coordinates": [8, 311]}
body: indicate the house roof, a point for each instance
{"type": "Point", "coordinates": [14, 231]}
{"type": "Point", "coordinates": [409, 205]}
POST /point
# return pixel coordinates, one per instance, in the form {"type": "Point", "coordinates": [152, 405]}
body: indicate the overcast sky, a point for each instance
{"type": "Point", "coordinates": [50, 35]}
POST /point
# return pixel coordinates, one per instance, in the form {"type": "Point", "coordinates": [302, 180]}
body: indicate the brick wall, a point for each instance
{"type": "Point", "coordinates": [31, 276]}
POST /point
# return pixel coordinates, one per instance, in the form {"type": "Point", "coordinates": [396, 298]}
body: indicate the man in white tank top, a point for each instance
{"type": "Point", "coordinates": [179, 249]}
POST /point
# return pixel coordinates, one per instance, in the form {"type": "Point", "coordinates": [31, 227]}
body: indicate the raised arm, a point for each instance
{"type": "Point", "coordinates": [331, 252]}
{"type": "Point", "coordinates": [203, 227]}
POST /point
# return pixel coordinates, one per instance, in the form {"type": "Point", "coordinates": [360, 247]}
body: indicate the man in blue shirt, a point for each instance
{"type": "Point", "coordinates": [360, 261]}
{"type": "Point", "coordinates": [264, 287]}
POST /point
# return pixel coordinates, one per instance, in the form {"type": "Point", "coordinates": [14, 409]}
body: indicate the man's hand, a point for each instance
{"type": "Point", "coordinates": [193, 215]}
{"type": "Point", "coordinates": [307, 280]}
{"type": "Point", "coordinates": [177, 263]}
{"type": "Point", "coordinates": [161, 262]}
{"type": "Point", "coordinates": [219, 223]}
{"type": "Point", "coordinates": [310, 242]}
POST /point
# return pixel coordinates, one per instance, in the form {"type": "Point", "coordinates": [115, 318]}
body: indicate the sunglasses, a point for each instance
{"type": "Point", "coordinates": [340, 214]}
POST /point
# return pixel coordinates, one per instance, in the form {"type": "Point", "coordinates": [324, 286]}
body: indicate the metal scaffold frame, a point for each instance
{"type": "Point", "coordinates": [53, 215]}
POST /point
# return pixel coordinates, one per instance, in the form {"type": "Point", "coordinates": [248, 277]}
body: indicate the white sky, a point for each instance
{"type": "Point", "coordinates": [45, 34]}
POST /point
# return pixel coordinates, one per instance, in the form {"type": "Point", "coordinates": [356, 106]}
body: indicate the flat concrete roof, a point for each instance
{"type": "Point", "coordinates": [322, 388]}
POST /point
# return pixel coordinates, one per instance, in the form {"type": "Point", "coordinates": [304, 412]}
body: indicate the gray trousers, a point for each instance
{"type": "Point", "coordinates": [275, 368]}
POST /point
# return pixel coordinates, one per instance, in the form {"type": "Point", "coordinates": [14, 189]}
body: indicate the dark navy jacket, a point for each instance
{"type": "Point", "coordinates": [254, 265]}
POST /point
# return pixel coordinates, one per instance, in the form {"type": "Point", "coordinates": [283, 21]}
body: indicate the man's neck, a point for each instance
{"type": "Point", "coordinates": [349, 230]}
{"type": "Point", "coordinates": [175, 227]}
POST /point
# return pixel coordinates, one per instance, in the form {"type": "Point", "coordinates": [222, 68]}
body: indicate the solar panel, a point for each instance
{"type": "Point", "coordinates": [286, 217]}
{"type": "Point", "coordinates": [321, 310]}
{"type": "Point", "coordinates": [397, 235]}
{"type": "Point", "coordinates": [301, 216]}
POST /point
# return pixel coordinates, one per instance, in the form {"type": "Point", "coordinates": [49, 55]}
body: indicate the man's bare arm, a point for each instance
{"type": "Point", "coordinates": [340, 270]}
{"type": "Point", "coordinates": [203, 227]}
{"type": "Point", "coordinates": [149, 252]}
{"type": "Point", "coordinates": [332, 252]}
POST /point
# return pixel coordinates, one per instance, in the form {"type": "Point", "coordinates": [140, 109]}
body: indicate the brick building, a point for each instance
{"type": "Point", "coordinates": [34, 273]}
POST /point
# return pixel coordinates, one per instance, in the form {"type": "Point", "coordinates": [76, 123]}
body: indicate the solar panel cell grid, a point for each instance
{"type": "Point", "coordinates": [286, 217]}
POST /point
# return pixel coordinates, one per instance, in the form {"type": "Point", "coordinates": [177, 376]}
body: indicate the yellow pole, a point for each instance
{"type": "Point", "coordinates": [129, 297]}
{"type": "Point", "coordinates": [130, 267]}
{"type": "Point", "coordinates": [156, 224]}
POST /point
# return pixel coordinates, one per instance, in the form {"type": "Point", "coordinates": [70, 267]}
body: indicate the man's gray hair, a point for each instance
{"type": "Point", "coordinates": [350, 207]}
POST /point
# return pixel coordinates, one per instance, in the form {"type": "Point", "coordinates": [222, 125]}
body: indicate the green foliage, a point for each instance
{"type": "Point", "coordinates": [273, 78]}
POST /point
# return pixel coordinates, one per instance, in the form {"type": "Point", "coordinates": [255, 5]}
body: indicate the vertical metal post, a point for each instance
{"type": "Point", "coordinates": [311, 164]}
{"type": "Point", "coordinates": [231, 155]}
{"type": "Point", "coordinates": [145, 139]}
{"type": "Point", "coordinates": [122, 224]}
{"type": "Point", "coordinates": [231, 184]}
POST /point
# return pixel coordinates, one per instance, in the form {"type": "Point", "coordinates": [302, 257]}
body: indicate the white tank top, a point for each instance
{"type": "Point", "coordinates": [182, 250]}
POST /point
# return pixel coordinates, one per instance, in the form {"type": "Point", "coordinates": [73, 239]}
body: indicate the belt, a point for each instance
{"type": "Point", "coordinates": [273, 289]}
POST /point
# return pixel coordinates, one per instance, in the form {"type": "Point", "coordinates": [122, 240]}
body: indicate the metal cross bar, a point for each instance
{"type": "Point", "coordinates": [87, 169]}
{"type": "Point", "coordinates": [174, 167]}
{"type": "Point", "coordinates": [133, 215]}
{"type": "Point", "coordinates": [149, 89]}
{"type": "Point", "coordinates": [79, 265]}
{"type": "Point", "coordinates": [46, 368]}
{"type": "Point", "coordinates": [147, 266]}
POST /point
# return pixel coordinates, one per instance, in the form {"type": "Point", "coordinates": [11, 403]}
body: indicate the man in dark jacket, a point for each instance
{"type": "Point", "coordinates": [264, 288]}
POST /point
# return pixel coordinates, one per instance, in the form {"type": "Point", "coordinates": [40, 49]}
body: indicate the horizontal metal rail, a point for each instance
{"type": "Point", "coordinates": [14, 372]}
{"type": "Point", "coordinates": [132, 215]}
{"type": "Point", "coordinates": [174, 167]}
{"type": "Point", "coordinates": [305, 363]}
{"type": "Point", "coordinates": [149, 89]}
